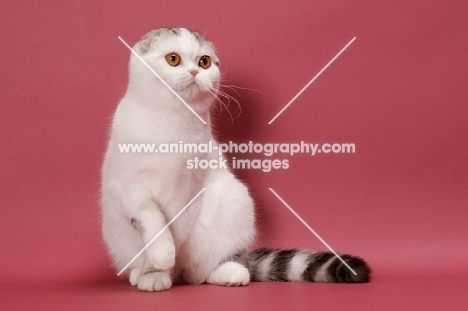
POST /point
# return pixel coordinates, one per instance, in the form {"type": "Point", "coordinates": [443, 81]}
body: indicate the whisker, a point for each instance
{"type": "Point", "coordinates": [232, 89]}
{"type": "Point", "coordinates": [242, 88]}
{"type": "Point", "coordinates": [229, 98]}
{"type": "Point", "coordinates": [222, 104]}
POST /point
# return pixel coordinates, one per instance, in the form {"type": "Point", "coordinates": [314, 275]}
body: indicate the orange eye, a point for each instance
{"type": "Point", "coordinates": [205, 62]}
{"type": "Point", "coordinates": [173, 59]}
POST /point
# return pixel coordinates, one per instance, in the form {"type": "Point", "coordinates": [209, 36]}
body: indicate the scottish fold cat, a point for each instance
{"type": "Point", "coordinates": [141, 192]}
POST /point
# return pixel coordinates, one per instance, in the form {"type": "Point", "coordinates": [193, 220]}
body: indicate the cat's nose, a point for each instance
{"type": "Point", "coordinates": [194, 72]}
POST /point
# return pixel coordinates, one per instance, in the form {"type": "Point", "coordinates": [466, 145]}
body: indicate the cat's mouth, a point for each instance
{"type": "Point", "coordinates": [191, 89]}
{"type": "Point", "coordinates": [191, 86]}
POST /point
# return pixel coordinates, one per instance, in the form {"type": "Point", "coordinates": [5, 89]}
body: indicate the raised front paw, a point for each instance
{"type": "Point", "coordinates": [154, 282]}
{"type": "Point", "coordinates": [161, 257]}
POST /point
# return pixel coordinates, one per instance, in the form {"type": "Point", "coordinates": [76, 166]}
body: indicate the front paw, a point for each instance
{"type": "Point", "coordinates": [161, 257]}
{"type": "Point", "coordinates": [154, 282]}
{"type": "Point", "coordinates": [134, 276]}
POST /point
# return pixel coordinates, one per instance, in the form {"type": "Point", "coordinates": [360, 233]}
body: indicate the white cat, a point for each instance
{"type": "Point", "coordinates": [141, 192]}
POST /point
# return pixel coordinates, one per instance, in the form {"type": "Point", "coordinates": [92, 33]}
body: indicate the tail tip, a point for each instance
{"type": "Point", "coordinates": [360, 266]}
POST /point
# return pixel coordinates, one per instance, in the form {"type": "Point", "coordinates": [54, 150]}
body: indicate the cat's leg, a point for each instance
{"type": "Point", "coordinates": [144, 215]}
{"type": "Point", "coordinates": [124, 239]}
{"type": "Point", "coordinates": [147, 218]}
{"type": "Point", "coordinates": [160, 253]}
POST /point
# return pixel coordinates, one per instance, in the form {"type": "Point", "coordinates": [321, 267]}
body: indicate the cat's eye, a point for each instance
{"type": "Point", "coordinates": [205, 62]}
{"type": "Point", "coordinates": [173, 59]}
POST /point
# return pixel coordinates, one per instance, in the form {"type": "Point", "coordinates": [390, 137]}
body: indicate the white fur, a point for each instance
{"type": "Point", "coordinates": [321, 275]}
{"type": "Point", "coordinates": [134, 276]}
{"type": "Point", "coordinates": [156, 281]}
{"type": "Point", "coordinates": [264, 267]}
{"type": "Point", "coordinates": [229, 274]}
{"type": "Point", "coordinates": [297, 266]}
{"type": "Point", "coordinates": [153, 188]}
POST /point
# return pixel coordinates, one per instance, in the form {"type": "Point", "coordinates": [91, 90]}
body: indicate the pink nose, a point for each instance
{"type": "Point", "coordinates": [194, 72]}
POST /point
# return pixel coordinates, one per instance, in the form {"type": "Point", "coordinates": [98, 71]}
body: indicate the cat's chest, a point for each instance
{"type": "Point", "coordinates": [183, 132]}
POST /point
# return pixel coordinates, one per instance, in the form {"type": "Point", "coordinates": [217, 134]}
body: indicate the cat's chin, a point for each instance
{"type": "Point", "coordinates": [201, 104]}
{"type": "Point", "coordinates": [193, 94]}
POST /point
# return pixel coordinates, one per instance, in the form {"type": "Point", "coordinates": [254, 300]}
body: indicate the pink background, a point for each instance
{"type": "Point", "coordinates": [398, 93]}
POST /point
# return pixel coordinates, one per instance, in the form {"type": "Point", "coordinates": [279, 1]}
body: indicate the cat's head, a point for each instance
{"type": "Point", "coordinates": [184, 59]}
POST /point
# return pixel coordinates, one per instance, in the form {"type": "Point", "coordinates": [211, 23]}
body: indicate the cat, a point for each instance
{"type": "Point", "coordinates": [210, 241]}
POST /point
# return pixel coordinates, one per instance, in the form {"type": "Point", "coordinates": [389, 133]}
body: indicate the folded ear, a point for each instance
{"type": "Point", "coordinates": [147, 41]}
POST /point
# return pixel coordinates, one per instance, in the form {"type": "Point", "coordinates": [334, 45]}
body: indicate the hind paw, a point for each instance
{"type": "Point", "coordinates": [229, 274]}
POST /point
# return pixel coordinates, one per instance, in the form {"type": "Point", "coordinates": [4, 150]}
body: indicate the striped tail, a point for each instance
{"type": "Point", "coordinates": [297, 265]}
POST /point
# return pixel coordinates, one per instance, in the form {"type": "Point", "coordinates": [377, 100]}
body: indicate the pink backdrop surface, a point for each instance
{"type": "Point", "coordinates": [399, 93]}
